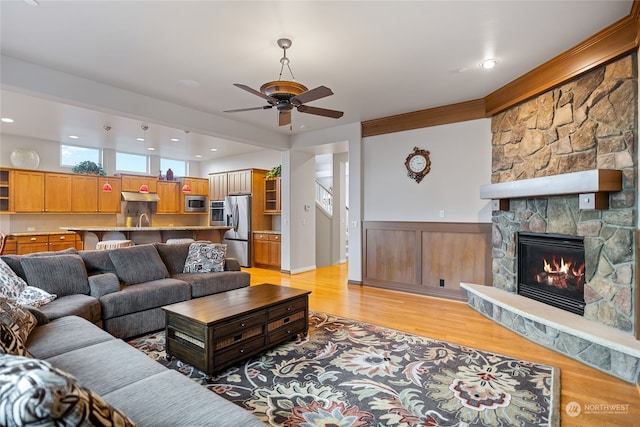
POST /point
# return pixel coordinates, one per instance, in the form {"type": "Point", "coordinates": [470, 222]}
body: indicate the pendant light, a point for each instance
{"type": "Point", "coordinates": [144, 188]}
{"type": "Point", "coordinates": [106, 187]}
{"type": "Point", "coordinates": [186, 188]}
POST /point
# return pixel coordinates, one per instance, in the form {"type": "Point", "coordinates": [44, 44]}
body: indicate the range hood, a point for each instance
{"type": "Point", "coordinates": [131, 196]}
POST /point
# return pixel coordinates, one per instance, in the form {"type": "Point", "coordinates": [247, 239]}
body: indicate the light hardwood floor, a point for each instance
{"type": "Point", "coordinates": [458, 323]}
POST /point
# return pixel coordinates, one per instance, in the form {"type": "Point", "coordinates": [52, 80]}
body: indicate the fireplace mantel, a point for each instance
{"type": "Point", "coordinates": [593, 186]}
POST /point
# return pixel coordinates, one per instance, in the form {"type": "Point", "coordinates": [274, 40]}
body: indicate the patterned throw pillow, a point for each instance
{"type": "Point", "coordinates": [35, 297]}
{"type": "Point", "coordinates": [32, 392]}
{"type": "Point", "coordinates": [16, 323]}
{"type": "Point", "coordinates": [11, 285]}
{"type": "Point", "coordinates": [205, 257]}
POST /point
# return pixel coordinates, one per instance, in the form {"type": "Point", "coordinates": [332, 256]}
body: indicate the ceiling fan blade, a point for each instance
{"type": "Point", "coordinates": [266, 107]}
{"type": "Point", "coordinates": [284, 117]}
{"type": "Point", "coordinates": [334, 114]}
{"type": "Point", "coordinates": [311, 95]}
{"type": "Point", "coordinates": [255, 92]}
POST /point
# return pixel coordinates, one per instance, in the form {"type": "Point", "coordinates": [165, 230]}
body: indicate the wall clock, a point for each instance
{"type": "Point", "coordinates": [418, 164]}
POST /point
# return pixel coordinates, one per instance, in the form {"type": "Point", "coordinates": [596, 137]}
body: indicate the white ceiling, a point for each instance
{"type": "Point", "coordinates": [380, 58]}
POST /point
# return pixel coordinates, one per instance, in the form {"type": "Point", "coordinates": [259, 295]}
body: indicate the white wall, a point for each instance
{"type": "Point", "coordinates": [259, 159]}
{"type": "Point", "coordinates": [460, 162]}
{"type": "Point", "coordinates": [48, 151]}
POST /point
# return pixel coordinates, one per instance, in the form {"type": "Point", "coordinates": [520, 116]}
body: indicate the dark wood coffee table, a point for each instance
{"type": "Point", "coordinates": [216, 331]}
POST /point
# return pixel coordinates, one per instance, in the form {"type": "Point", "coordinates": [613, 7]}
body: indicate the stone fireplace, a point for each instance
{"type": "Point", "coordinates": [585, 125]}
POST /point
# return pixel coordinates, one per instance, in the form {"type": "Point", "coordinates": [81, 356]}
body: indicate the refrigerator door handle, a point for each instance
{"type": "Point", "coordinates": [236, 218]}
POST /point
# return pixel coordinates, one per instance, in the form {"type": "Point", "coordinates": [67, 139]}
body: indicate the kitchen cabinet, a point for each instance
{"type": "Point", "coordinates": [109, 201]}
{"type": "Point", "coordinates": [4, 190]}
{"type": "Point", "coordinates": [57, 192]}
{"type": "Point", "coordinates": [266, 250]}
{"type": "Point", "coordinates": [28, 244]}
{"type": "Point", "coordinates": [133, 183]}
{"type": "Point", "coordinates": [26, 191]}
{"type": "Point", "coordinates": [239, 182]}
{"type": "Point", "coordinates": [168, 194]}
{"type": "Point", "coordinates": [199, 186]}
{"type": "Point", "coordinates": [272, 204]}
{"type": "Point", "coordinates": [84, 193]}
{"type": "Point", "coordinates": [218, 186]}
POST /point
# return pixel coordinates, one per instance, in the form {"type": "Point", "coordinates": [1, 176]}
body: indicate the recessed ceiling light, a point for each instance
{"type": "Point", "coordinates": [175, 139]}
{"type": "Point", "coordinates": [33, 3]}
{"type": "Point", "coordinates": [213, 149]}
{"type": "Point", "coordinates": [140, 139]}
{"type": "Point", "coordinates": [199, 156]}
{"type": "Point", "coordinates": [73, 136]}
{"type": "Point", "coordinates": [150, 148]}
{"type": "Point", "coordinates": [487, 64]}
{"type": "Point", "coordinates": [7, 120]}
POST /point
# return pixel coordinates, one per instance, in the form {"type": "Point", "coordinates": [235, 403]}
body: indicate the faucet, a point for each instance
{"type": "Point", "coordinates": [144, 215]}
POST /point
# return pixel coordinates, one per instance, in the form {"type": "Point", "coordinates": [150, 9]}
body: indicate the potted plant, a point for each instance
{"type": "Point", "coordinates": [88, 168]}
{"type": "Point", "coordinates": [274, 172]}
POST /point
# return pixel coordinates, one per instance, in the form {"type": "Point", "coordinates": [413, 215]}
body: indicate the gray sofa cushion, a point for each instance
{"type": "Point", "coordinates": [138, 264]}
{"type": "Point", "coordinates": [61, 274]}
{"type": "Point", "coordinates": [103, 284]}
{"type": "Point", "coordinates": [173, 256]}
{"type": "Point", "coordinates": [63, 335]}
{"type": "Point", "coordinates": [212, 283]}
{"type": "Point", "coordinates": [13, 261]}
{"type": "Point", "coordinates": [154, 401]}
{"type": "Point", "coordinates": [80, 305]}
{"type": "Point", "coordinates": [144, 296]}
{"type": "Point", "coordinates": [97, 262]}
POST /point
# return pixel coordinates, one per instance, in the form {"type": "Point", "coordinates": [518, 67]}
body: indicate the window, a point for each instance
{"type": "Point", "coordinates": [71, 155]}
{"type": "Point", "coordinates": [179, 167]}
{"type": "Point", "coordinates": [126, 162]}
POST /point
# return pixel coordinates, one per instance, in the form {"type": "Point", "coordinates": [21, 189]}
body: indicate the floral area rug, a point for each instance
{"type": "Point", "coordinates": [350, 373]}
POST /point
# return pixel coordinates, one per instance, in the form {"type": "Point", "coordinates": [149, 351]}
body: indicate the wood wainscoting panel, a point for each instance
{"type": "Point", "coordinates": [416, 256]}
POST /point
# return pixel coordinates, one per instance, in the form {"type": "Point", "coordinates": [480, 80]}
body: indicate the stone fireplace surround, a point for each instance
{"type": "Point", "coordinates": [585, 124]}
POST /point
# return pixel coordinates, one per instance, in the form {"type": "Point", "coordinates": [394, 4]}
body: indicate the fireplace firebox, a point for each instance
{"type": "Point", "coordinates": [551, 269]}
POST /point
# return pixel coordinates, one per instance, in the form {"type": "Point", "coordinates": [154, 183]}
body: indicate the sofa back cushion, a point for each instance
{"type": "Point", "coordinates": [173, 256]}
{"type": "Point", "coordinates": [97, 262]}
{"type": "Point", "coordinates": [60, 274]}
{"type": "Point", "coordinates": [138, 264]}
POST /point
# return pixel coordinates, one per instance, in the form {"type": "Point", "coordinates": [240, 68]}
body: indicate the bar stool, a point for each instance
{"type": "Point", "coordinates": [112, 244]}
{"type": "Point", "coordinates": [179, 241]}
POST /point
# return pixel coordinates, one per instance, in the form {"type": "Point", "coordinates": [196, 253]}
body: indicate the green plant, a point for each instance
{"type": "Point", "coordinates": [274, 172]}
{"type": "Point", "coordinates": [88, 168]}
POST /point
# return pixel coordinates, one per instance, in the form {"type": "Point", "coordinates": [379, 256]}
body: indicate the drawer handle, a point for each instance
{"type": "Point", "coordinates": [62, 237]}
{"type": "Point", "coordinates": [242, 325]}
{"type": "Point", "coordinates": [288, 331]}
{"type": "Point", "coordinates": [33, 239]}
{"type": "Point", "coordinates": [242, 350]}
{"type": "Point", "coordinates": [288, 308]}
{"type": "Point", "coordinates": [286, 320]}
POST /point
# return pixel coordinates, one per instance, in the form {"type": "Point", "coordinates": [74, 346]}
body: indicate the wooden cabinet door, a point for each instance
{"type": "Point", "coordinates": [84, 193]}
{"type": "Point", "coordinates": [27, 191]}
{"type": "Point", "coordinates": [57, 194]}
{"type": "Point", "coordinates": [260, 249]}
{"type": "Point", "coordinates": [168, 194]}
{"type": "Point", "coordinates": [239, 182]}
{"type": "Point", "coordinates": [109, 202]}
{"type": "Point", "coordinates": [218, 186]}
{"type": "Point", "coordinates": [274, 250]}
{"type": "Point", "coordinates": [133, 183]}
{"type": "Point", "coordinates": [199, 186]}
{"type": "Point", "coordinates": [58, 242]}
{"type": "Point", "coordinates": [272, 203]}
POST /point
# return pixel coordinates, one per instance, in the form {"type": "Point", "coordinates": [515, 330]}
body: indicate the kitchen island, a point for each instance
{"type": "Point", "coordinates": [91, 235]}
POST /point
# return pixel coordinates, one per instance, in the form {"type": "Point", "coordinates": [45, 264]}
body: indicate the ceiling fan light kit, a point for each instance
{"type": "Point", "coordinates": [286, 95]}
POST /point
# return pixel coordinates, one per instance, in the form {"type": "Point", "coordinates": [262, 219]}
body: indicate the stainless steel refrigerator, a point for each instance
{"type": "Point", "coordinates": [237, 214]}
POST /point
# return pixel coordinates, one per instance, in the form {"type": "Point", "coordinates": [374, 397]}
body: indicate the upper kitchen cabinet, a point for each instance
{"type": "Point", "coordinates": [26, 191]}
{"type": "Point", "coordinates": [134, 182]}
{"type": "Point", "coordinates": [199, 186]}
{"type": "Point", "coordinates": [218, 186]}
{"type": "Point", "coordinates": [4, 190]}
{"type": "Point", "coordinates": [109, 201]}
{"type": "Point", "coordinates": [57, 192]}
{"type": "Point", "coordinates": [239, 182]}
{"type": "Point", "coordinates": [84, 190]}
{"type": "Point", "coordinates": [272, 204]}
{"type": "Point", "coordinates": [168, 195]}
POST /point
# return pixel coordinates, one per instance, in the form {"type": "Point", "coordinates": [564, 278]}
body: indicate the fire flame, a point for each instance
{"type": "Point", "coordinates": [563, 268]}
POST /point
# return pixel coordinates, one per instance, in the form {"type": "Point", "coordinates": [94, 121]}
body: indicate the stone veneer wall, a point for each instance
{"type": "Point", "coordinates": [585, 124]}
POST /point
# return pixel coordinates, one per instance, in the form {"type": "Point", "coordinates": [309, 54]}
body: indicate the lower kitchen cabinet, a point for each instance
{"type": "Point", "coordinates": [28, 244]}
{"type": "Point", "coordinates": [266, 250]}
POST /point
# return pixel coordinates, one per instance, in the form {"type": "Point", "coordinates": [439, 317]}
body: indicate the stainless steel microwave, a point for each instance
{"type": "Point", "coordinates": [195, 203]}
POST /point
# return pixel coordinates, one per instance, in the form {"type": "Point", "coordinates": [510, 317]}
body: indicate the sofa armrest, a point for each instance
{"type": "Point", "coordinates": [231, 264]}
{"type": "Point", "coordinates": [103, 284]}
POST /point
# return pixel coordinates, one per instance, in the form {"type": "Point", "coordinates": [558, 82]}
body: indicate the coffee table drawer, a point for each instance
{"type": "Point", "coordinates": [288, 308]}
{"type": "Point", "coordinates": [237, 326]}
{"type": "Point", "coordinates": [187, 326]}
{"type": "Point", "coordinates": [238, 352]}
{"type": "Point", "coordinates": [288, 331]}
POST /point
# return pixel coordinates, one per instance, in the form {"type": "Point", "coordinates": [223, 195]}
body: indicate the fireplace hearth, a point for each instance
{"type": "Point", "coordinates": [551, 269]}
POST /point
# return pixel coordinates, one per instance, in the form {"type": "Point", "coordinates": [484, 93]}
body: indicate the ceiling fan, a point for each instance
{"type": "Point", "coordinates": [286, 95]}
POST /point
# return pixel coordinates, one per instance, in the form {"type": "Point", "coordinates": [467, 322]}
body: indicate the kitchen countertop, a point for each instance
{"type": "Point", "coordinates": [267, 231]}
{"type": "Point", "coordinates": [39, 233]}
{"type": "Point", "coordinates": [167, 228]}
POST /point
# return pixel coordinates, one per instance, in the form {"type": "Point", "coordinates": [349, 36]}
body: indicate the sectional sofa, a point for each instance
{"type": "Point", "coordinates": [63, 362]}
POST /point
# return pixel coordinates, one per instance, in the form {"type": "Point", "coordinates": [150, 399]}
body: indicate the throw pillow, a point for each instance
{"type": "Point", "coordinates": [205, 258]}
{"type": "Point", "coordinates": [59, 274]}
{"type": "Point", "coordinates": [16, 324]}
{"type": "Point", "coordinates": [33, 392]}
{"type": "Point", "coordinates": [35, 297]}
{"type": "Point", "coordinates": [138, 264]}
{"type": "Point", "coordinates": [11, 285]}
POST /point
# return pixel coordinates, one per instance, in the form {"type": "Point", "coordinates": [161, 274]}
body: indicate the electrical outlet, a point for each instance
{"type": "Point", "coordinates": [442, 283]}
{"type": "Point", "coordinates": [31, 229]}
{"type": "Point", "coordinates": [441, 217]}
